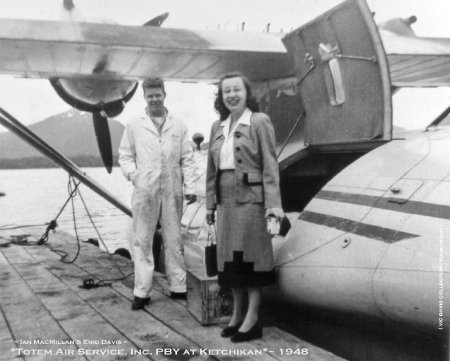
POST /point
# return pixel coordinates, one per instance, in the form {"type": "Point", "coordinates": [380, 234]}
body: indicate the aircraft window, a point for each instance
{"type": "Point", "coordinates": [446, 120]}
{"type": "Point", "coordinates": [332, 74]}
{"type": "Point", "coordinates": [193, 219]}
{"type": "Point", "coordinates": [188, 214]}
{"type": "Point", "coordinates": [197, 224]}
{"type": "Point", "coordinates": [442, 120]}
{"type": "Point", "coordinates": [200, 182]}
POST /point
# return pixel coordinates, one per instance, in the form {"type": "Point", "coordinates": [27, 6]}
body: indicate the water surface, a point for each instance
{"type": "Point", "coordinates": [35, 196]}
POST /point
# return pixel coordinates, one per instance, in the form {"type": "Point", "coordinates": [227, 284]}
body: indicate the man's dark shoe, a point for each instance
{"type": "Point", "coordinates": [178, 295]}
{"type": "Point", "coordinates": [139, 303]}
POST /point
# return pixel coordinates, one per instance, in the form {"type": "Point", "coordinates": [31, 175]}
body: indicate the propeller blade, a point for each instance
{"type": "Point", "coordinates": [103, 139]}
{"type": "Point", "coordinates": [158, 20]}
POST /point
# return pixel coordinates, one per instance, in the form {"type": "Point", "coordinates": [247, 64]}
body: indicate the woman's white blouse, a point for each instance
{"type": "Point", "coordinates": [226, 156]}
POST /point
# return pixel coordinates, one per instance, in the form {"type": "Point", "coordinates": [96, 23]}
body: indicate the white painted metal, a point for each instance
{"type": "Point", "coordinates": [394, 280]}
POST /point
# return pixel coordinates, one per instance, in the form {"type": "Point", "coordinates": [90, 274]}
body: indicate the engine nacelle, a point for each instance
{"type": "Point", "coordinates": [95, 95]}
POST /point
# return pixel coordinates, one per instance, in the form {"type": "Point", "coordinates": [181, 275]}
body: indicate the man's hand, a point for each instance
{"type": "Point", "coordinates": [132, 176]}
{"type": "Point", "coordinates": [191, 198]}
{"type": "Point", "coordinates": [210, 216]}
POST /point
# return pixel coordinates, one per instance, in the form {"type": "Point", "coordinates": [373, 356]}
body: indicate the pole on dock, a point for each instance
{"type": "Point", "coordinates": [14, 125]}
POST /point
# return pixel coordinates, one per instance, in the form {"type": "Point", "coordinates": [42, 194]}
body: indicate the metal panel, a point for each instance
{"type": "Point", "coordinates": [365, 114]}
{"type": "Point", "coordinates": [379, 169]}
{"type": "Point", "coordinates": [416, 61]}
{"type": "Point", "coordinates": [45, 49]}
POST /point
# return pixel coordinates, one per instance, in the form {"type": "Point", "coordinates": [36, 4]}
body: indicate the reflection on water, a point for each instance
{"type": "Point", "coordinates": [35, 196]}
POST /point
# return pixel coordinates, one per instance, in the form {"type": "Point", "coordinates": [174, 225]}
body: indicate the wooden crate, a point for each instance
{"type": "Point", "coordinates": [204, 299]}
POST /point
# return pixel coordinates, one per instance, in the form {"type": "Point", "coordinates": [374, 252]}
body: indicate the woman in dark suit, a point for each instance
{"type": "Point", "coordinates": [242, 183]}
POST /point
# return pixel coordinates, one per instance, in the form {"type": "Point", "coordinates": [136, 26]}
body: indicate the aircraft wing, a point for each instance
{"type": "Point", "coordinates": [53, 49]}
{"type": "Point", "coordinates": [416, 61]}
{"type": "Point", "coordinates": [47, 49]}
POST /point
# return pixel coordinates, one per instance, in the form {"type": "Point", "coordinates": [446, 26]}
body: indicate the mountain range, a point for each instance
{"type": "Point", "coordinates": [71, 133]}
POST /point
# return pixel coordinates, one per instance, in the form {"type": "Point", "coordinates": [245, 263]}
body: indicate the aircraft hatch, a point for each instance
{"type": "Point", "coordinates": [328, 116]}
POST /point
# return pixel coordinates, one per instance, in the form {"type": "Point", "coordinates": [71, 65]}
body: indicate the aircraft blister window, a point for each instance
{"type": "Point", "coordinates": [188, 213]}
{"type": "Point", "coordinates": [442, 120]}
{"type": "Point", "coordinates": [332, 74]}
{"type": "Point", "coordinates": [193, 219]}
{"type": "Point", "coordinates": [445, 121]}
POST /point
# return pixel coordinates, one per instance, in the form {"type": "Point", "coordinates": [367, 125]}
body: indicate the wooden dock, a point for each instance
{"type": "Point", "coordinates": [46, 315]}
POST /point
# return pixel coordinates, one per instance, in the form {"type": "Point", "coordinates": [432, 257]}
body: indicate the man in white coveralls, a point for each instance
{"type": "Point", "coordinates": [156, 156]}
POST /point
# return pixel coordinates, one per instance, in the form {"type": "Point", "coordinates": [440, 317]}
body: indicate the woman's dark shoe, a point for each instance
{"type": "Point", "coordinates": [178, 295]}
{"type": "Point", "coordinates": [252, 334]}
{"type": "Point", "coordinates": [230, 331]}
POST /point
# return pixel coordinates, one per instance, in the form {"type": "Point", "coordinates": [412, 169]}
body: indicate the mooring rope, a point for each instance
{"type": "Point", "coordinates": [73, 191]}
{"type": "Point", "coordinates": [53, 224]}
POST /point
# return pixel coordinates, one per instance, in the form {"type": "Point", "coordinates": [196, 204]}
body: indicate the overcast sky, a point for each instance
{"type": "Point", "coordinates": [33, 100]}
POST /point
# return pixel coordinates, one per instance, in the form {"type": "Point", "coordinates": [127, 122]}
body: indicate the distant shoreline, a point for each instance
{"type": "Point", "coordinates": [41, 162]}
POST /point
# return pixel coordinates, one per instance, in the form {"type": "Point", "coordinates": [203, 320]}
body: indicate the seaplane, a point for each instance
{"type": "Point", "coordinates": [369, 206]}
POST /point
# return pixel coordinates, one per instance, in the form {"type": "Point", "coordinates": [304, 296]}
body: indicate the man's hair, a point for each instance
{"type": "Point", "coordinates": [152, 83]}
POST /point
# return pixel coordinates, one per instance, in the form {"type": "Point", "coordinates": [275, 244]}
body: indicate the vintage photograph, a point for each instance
{"type": "Point", "coordinates": [224, 180]}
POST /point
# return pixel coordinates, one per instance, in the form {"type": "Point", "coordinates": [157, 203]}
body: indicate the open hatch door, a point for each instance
{"type": "Point", "coordinates": [343, 79]}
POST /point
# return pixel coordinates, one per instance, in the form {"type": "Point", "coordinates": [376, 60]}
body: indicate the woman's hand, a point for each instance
{"type": "Point", "coordinates": [275, 212]}
{"type": "Point", "coordinates": [210, 216]}
{"type": "Point", "coordinates": [190, 198]}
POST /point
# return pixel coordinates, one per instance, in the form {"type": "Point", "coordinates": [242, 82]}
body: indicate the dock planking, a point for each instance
{"type": "Point", "coordinates": [41, 299]}
{"type": "Point", "coordinates": [6, 338]}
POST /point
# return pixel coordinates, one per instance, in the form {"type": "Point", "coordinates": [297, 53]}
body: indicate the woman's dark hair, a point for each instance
{"type": "Point", "coordinates": [220, 107]}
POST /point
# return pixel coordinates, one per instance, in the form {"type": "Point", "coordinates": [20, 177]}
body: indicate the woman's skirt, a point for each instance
{"type": "Point", "coordinates": [244, 247]}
